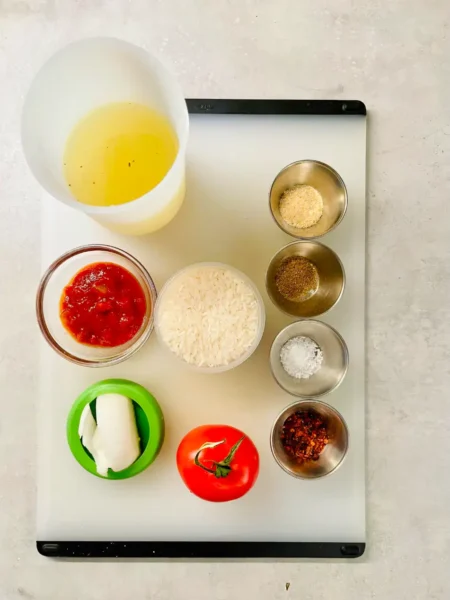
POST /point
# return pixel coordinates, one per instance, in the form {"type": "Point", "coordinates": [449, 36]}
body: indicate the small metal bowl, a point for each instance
{"type": "Point", "coordinates": [322, 178]}
{"type": "Point", "coordinates": [334, 365]}
{"type": "Point", "coordinates": [332, 455]}
{"type": "Point", "coordinates": [331, 279]}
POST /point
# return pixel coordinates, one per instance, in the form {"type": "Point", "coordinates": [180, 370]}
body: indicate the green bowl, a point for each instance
{"type": "Point", "coordinates": [149, 422]}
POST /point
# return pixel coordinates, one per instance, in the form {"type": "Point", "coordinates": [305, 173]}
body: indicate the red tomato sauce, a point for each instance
{"type": "Point", "coordinates": [104, 305]}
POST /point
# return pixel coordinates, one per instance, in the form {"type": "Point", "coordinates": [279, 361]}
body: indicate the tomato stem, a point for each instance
{"type": "Point", "coordinates": [222, 468]}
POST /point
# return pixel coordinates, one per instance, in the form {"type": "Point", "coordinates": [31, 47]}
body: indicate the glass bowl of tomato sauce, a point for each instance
{"type": "Point", "coordinates": [95, 305]}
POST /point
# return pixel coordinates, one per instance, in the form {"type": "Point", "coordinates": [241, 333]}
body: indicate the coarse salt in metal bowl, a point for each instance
{"type": "Point", "coordinates": [333, 367]}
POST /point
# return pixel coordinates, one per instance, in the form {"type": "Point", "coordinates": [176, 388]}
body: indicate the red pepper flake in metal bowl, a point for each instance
{"type": "Point", "coordinates": [304, 436]}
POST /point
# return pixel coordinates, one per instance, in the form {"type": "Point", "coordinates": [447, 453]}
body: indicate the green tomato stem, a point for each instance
{"type": "Point", "coordinates": [222, 468]}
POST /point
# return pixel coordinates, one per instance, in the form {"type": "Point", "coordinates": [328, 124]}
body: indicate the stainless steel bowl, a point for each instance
{"type": "Point", "coordinates": [334, 365]}
{"type": "Point", "coordinates": [331, 279]}
{"type": "Point", "coordinates": [332, 455]}
{"type": "Point", "coordinates": [322, 178]}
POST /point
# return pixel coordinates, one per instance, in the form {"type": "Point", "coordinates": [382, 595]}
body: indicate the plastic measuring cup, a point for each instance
{"type": "Point", "coordinates": [81, 77]}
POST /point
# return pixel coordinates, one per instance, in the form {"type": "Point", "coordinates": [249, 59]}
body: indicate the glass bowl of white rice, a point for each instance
{"type": "Point", "coordinates": [210, 316]}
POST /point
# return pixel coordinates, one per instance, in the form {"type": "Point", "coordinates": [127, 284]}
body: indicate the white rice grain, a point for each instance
{"type": "Point", "coordinates": [208, 316]}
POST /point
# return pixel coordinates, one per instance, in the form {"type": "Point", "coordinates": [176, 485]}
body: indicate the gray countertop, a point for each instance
{"type": "Point", "coordinates": [396, 58]}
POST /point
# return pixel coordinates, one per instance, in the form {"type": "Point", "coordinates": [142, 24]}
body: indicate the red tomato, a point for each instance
{"type": "Point", "coordinates": [218, 462]}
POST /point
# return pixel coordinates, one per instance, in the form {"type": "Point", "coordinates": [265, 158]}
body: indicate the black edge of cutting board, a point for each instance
{"type": "Point", "coordinates": [197, 550]}
{"type": "Point", "coordinates": [276, 107]}
{"type": "Point", "coordinates": [218, 550]}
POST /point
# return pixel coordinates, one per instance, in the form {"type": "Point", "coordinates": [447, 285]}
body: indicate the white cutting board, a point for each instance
{"type": "Point", "coordinates": [232, 160]}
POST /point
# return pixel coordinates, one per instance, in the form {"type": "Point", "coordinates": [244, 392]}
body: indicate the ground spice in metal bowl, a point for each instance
{"type": "Point", "coordinates": [297, 278]}
{"type": "Point", "coordinates": [304, 436]}
{"type": "Point", "coordinates": [301, 206]}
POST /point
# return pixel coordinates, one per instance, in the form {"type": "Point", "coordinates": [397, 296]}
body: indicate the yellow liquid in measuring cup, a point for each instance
{"type": "Point", "coordinates": [117, 153]}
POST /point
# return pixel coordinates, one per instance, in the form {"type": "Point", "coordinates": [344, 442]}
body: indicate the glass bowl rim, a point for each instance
{"type": "Point", "coordinates": [40, 315]}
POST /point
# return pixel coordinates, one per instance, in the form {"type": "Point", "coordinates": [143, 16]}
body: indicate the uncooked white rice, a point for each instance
{"type": "Point", "coordinates": [208, 316]}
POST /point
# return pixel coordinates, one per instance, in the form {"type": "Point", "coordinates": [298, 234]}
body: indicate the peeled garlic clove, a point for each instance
{"type": "Point", "coordinates": [87, 428]}
{"type": "Point", "coordinates": [116, 439]}
{"type": "Point", "coordinates": [101, 461]}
